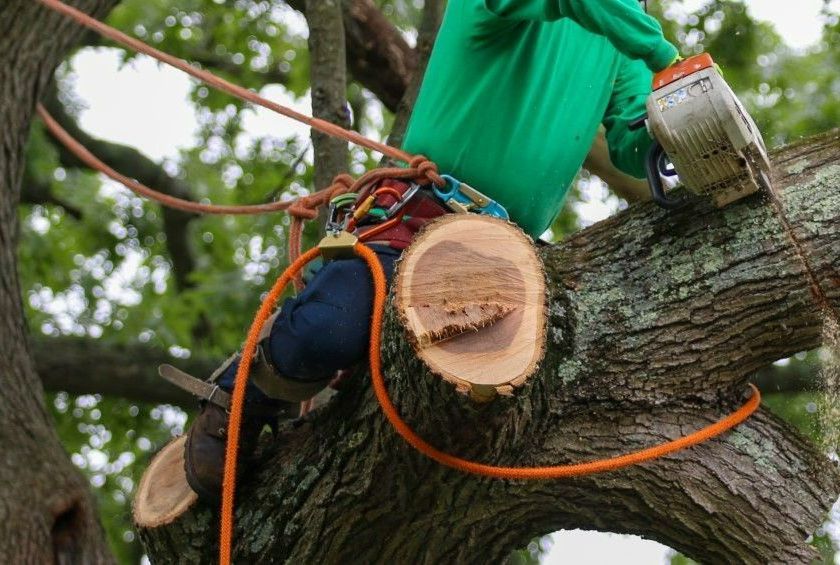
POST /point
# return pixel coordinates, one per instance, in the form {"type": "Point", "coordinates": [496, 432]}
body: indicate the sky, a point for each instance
{"type": "Point", "coordinates": [146, 105]}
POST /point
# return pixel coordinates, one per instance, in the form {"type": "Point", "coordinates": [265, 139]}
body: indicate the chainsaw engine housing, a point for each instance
{"type": "Point", "coordinates": [714, 145]}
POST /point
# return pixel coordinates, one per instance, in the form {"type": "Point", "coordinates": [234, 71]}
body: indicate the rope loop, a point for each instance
{"type": "Point", "coordinates": [426, 170]}
{"type": "Point", "coordinates": [342, 181]}
{"type": "Point", "coordinates": [304, 208]}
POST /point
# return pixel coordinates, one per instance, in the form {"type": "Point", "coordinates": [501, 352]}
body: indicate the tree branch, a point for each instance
{"type": "Point", "coordinates": [378, 56]}
{"type": "Point", "coordinates": [86, 366]}
{"type": "Point", "coordinates": [35, 192]}
{"type": "Point", "coordinates": [328, 79]}
{"type": "Point", "coordinates": [656, 319]}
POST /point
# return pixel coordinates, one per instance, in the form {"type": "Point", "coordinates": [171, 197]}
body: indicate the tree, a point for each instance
{"type": "Point", "coordinates": [49, 515]}
{"type": "Point", "coordinates": [81, 241]}
{"type": "Point", "coordinates": [639, 351]}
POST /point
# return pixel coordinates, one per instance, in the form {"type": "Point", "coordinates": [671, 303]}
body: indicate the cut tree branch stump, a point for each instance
{"type": "Point", "coordinates": [471, 293]}
{"type": "Point", "coordinates": [163, 493]}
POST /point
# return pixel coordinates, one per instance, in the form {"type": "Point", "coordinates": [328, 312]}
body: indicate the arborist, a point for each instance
{"type": "Point", "coordinates": [512, 98]}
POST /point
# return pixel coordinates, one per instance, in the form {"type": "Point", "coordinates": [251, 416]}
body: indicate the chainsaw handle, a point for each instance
{"type": "Point", "coordinates": [652, 167]}
{"type": "Point", "coordinates": [663, 167]}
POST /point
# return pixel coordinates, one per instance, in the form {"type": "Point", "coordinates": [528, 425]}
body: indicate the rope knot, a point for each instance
{"type": "Point", "coordinates": [305, 207]}
{"type": "Point", "coordinates": [426, 170]}
{"type": "Point", "coordinates": [341, 184]}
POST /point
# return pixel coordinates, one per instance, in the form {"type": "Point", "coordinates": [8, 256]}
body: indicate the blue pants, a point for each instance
{"type": "Point", "coordinates": [327, 326]}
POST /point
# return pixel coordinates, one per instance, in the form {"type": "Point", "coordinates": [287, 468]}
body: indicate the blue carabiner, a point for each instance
{"type": "Point", "coordinates": [461, 197]}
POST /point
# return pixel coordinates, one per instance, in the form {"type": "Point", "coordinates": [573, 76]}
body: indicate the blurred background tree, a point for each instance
{"type": "Point", "coordinates": [98, 263]}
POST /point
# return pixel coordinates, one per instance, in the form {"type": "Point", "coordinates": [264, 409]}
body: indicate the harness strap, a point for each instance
{"type": "Point", "coordinates": [264, 375]}
{"type": "Point", "coordinates": [206, 390]}
{"type": "Point", "coordinates": [209, 391]}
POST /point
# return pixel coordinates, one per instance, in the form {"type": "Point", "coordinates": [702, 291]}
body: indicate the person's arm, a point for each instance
{"type": "Point", "coordinates": [598, 162]}
{"type": "Point", "coordinates": [628, 148]}
{"type": "Point", "coordinates": [632, 32]}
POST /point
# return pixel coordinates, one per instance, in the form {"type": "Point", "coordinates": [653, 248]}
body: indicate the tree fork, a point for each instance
{"type": "Point", "coordinates": [656, 319]}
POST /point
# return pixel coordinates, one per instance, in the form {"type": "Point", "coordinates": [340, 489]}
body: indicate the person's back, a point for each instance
{"type": "Point", "coordinates": [515, 91]}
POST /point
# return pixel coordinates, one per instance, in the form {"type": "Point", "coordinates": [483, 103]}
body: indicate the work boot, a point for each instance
{"type": "Point", "coordinates": [204, 452]}
{"type": "Point", "coordinates": [204, 455]}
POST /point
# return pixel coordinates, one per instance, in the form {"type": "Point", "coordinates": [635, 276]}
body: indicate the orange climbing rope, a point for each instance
{"type": "Point", "coordinates": [420, 169]}
{"type": "Point", "coordinates": [554, 472]}
{"type": "Point", "coordinates": [91, 161]}
{"type": "Point", "coordinates": [402, 428]}
{"type": "Point", "coordinates": [238, 399]}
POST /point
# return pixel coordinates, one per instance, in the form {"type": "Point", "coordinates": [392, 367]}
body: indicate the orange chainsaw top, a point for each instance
{"type": "Point", "coordinates": [515, 91]}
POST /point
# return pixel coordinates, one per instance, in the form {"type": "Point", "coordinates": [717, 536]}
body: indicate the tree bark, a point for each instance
{"type": "Point", "coordinates": [328, 81]}
{"type": "Point", "coordinates": [86, 366]}
{"type": "Point", "coordinates": [656, 320]}
{"type": "Point", "coordinates": [46, 511]}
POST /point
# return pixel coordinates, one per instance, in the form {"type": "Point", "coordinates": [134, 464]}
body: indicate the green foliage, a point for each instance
{"type": "Point", "coordinates": [108, 274]}
{"type": "Point", "coordinates": [112, 441]}
{"type": "Point", "coordinates": [790, 94]}
{"type": "Point", "coordinates": [531, 554]}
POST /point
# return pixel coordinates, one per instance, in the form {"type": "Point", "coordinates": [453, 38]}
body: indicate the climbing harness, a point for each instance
{"type": "Point", "coordinates": [391, 203]}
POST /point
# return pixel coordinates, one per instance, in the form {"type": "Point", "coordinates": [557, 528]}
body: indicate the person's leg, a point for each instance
{"type": "Point", "coordinates": [322, 330]}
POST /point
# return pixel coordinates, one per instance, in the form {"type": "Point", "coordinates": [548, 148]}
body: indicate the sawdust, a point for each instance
{"type": "Point", "coordinates": [829, 404]}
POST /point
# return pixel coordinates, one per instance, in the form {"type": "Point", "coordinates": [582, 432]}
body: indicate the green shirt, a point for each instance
{"type": "Point", "coordinates": [515, 90]}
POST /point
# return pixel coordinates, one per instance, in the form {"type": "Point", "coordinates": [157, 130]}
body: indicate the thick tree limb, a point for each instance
{"type": "Point", "coordinates": [656, 320]}
{"type": "Point", "coordinates": [378, 56]}
{"type": "Point", "coordinates": [47, 514]}
{"type": "Point", "coordinates": [35, 192]}
{"type": "Point", "coordinates": [86, 366]}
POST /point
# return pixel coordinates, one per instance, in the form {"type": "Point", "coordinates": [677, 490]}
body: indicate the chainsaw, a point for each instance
{"type": "Point", "coordinates": [703, 134]}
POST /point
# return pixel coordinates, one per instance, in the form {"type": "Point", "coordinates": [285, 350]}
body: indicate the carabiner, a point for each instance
{"type": "Point", "coordinates": [337, 205]}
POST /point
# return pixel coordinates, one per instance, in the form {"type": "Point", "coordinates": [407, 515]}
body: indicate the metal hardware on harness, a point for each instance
{"type": "Point", "coordinates": [462, 198]}
{"type": "Point", "coordinates": [338, 245]}
{"type": "Point", "coordinates": [364, 207]}
{"type": "Point", "coordinates": [413, 189]}
{"type": "Point", "coordinates": [337, 205]}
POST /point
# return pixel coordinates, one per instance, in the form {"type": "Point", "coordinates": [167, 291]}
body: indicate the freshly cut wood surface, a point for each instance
{"type": "Point", "coordinates": [163, 493]}
{"type": "Point", "coordinates": [471, 292]}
